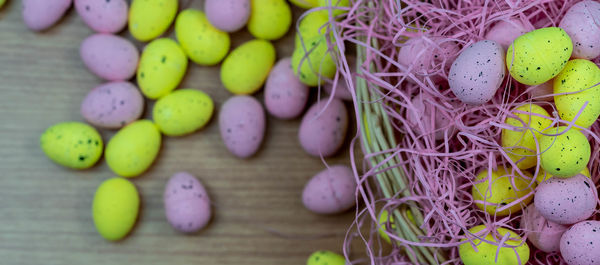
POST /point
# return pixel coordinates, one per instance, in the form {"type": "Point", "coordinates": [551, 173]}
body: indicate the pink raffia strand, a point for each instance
{"type": "Point", "coordinates": [439, 173]}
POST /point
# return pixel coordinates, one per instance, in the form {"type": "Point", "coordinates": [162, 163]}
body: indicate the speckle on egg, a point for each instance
{"type": "Point", "coordinates": [566, 201]}
{"type": "Point", "coordinates": [187, 205]}
{"type": "Point", "coordinates": [580, 244]}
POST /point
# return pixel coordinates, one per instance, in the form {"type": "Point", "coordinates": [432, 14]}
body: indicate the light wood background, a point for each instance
{"type": "Point", "coordinates": [45, 210]}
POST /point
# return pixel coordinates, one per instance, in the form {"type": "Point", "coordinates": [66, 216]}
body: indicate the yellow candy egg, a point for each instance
{"type": "Point", "coordinates": [149, 19]}
{"type": "Point", "coordinates": [543, 175]}
{"type": "Point", "coordinates": [312, 25]}
{"type": "Point", "coordinates": [335, 4]}
{"type": "Point", "coordinates": [203, 43]}
{"type": "Point", "coordinates": [315, 63]}
{"type": "Point", "coordinates": [307, 4]}
{"type": "Point", "coordinates": [115, 208]}
{"type": "Point", "coordinates": [484, 253]}
{"type": "Point", "coordinates": [72, 144]}
{"type": "Point", "coordinates": [538, 56]}
{"type": "Point", "coordinates": [246, 68]}
{"type": "Point", "coordinates": [520, 142]}
{"type": "Point", "coordinates": [502, 191]}
{"type": "Point", "coordinates": [133, 148]}
{"type": "Point", "coordinates": [183, 111]}
{"type": "Point", "coordinates": [384, 218]}
{"type": "Point", "coordinates": [325, 257]}
{"type": "Point", "coordinates": [269, 19]}
{"type": "Point", "coordinates": [162, 66]}
{"type": "Point", "coordinates": [577, 76]}
{"type": "Point", "coordinates": [565, 155]}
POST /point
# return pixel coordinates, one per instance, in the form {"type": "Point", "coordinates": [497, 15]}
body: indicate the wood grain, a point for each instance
{"type": "Point", "coordinates": [45, 210]}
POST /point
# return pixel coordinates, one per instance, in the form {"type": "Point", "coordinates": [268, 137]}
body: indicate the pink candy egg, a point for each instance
{"type": "Point", "coordinates": [331, 191]}
{"type": "Point", "coordinates": [420, 117]}
{"type": "Point", "coordinates": [342, 91]}
{"type": "Point", "coordinates": [227, 15]}
{"type": "Point", "coordinates": [103, 16]}
{"type": "Point", "coordinates": [580, 245]}
{"type": "Point", "coordinates": [110, 57]}
{"type": "Point", "coordinates": [113, 105]}
{"type": "Point", "coordinates": [582, 22]}
{"type": "Point", "coordinates": [566, 200]}
{"type": "Point", "coordinates": [242, 124]}
{"type": "Point", "coordinates": [39, 15]}
{"type": "Point", "coordinates": [323, 128]}
{"type": "Point", "coordinates": [422, 54]}
{"type": "Point", "coordinates": [506, 31]}
{"type": "Point", "coordinates": [285, 95]}
{"type": "Point", "coordinates": [543, 234]}
{"type": "Point", "coordinates": [187, 205]}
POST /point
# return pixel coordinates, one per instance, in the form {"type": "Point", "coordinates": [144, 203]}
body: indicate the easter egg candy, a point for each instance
{"type": "Point", "coordinates": [203, 43]}
{"type": "Point", "coordinates": [182, 112]}
{"type": "Point", "coordinates": [580, 245]}
{"type": "Point", "coordinates": [566, 200]}
{"type": "Point", "coordinates": [506, 31]}
{"type": "Point", "coordinates": [543, 234]}
{"type": "Point", "coordinates": [103, 16]}
{"type": "Point", "coordinates": [527, 57]}
{"type": "Point", "coordinates": [542, 91]}
{"type": "Point", "coordinates": [187, 205]}
{"type": "Point", "coordinates": [306, 4]}
{"type": "Point", "coordinates": [227, 15]}
{"type": "Point", "coordinates": [502, 189]}
{"type": "Point", "coordinates": [72, 144]}
{"type": "Point", "coordinates": [311, 25]}
{"type": "Point", "coordinates": [110, 57]}
{"type": "Point", "coordinates": [112, 105]}
{"type": "Point", "coordinates": [477, 72]}
{"type": "Point", "coordinates": [115, 208]}
{"type": "Point", "coordinates": [246, 68]}
{"type": "Point", "coordinates": [330, 191]}
{"type": "Point", "coordinates": [313, 62]}
{"type": "Point", "coordinates": [579, 78]}
{"type": "Point", "coordinates": [519, 142]}
{"type": "Point", "coordinates": [386, 220]}
{"type": "Point", "coordinates": [424, 120]}
{"type": "Point", "coordinates": [133, 148]}
{"type": "Point", "coordinates": [242, 124]}
{"type": "Point", "coordinates": [162, 66]}
{"type": "Point", "coordinates": [269, 19]}
{"type": "Point", "coordinates": [482, 253]}
{"type": "Point", "coordinates": [325, 257]}
{"type": "Point", "coordinates": [543, 175]}
{"type": "Point", "coordinates": [148, 19]}
{"type": "Point", "coordinates": [580, 22]}
{"type": "Point", "coordinates": [565, 155]}
{"type": "Point", "coordinates": [285, 95]}
{"type": "Point", "coordinates": [423, 54]}
{"type": "Point", "coordinates": [39, 15]}
{"type": "Point", "coordinates": [337, 6]}
{"type": "Point", "coordinates": [323, 128]}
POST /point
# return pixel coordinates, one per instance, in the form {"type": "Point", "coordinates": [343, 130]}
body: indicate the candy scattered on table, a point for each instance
{"type": "Point", "coordinates": [187, 204]}
{"type": "Point", "coordinates": [115, 208]}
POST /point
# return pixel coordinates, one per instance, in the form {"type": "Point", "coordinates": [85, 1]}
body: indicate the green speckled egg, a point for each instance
{"type": "Point", "coordinates": [182, 111]}
{"type": "Point", "coordinates": [203, 43]}
{"type": "Point", "coordinates": [313, 62]}
{"type": "Point", "coordinates": [133, 148]}
{"type": "Point", "coordinates": [246, 68]}
{"type": "Point", "coordinates": [269, 19]}
{"type": "Point", "coordinates": [578, 75]}
{"type": "Point", "coordinates": [149, 19]}
{"type": "Point", "coordinates": [503, 189]}
{"type": "Point", "coordinates": [162, 66]}
{"type": "Point", "coordinates": [483, 253]}
{"type": "Point", "coordinates": [520, 142]}
{"type": "Point", "coordinates": [567, 154]}
{"type": "Point", "coordinates": [325, 257]}
{"type": "Point", "coordinates": [539, 55]}
{"type": "Point", "coordinates": [72, 144]}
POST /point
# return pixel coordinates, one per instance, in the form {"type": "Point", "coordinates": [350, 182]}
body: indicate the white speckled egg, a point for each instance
{"type": "Point", "coordinates": [330, 191]}
{"type": "Point", "coordinates": [285, 95]}
{"type": "Point", "coordinates": [39, 15]}
{"type": "Point", "coordinates": [110, 57]}
{"type": "Point", "coordinates": [108, 16]}
{"type": "Point", "coordinates": [580, 245]}
{"type": "Point", "coordinates": [543, 234]}
{"type": "Point", "coordinates": [506, 31]}
{"type": "Point", "coordinates": [242, 124]}
{"type": "Point", "coordinates": [227, 15]}
{"type": "Point", "coordinates": [187, 205]}
{"type": "Point", "coordinates": [581, 23]}
{"type": "Point", "coordinates": [112, 105]}
{"type": "Point", "coordinates": [322, 131]}
{"type": "Point", "coordinates": [566, 200]}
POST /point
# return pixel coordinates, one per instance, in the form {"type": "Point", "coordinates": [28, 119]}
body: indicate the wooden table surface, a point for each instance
{"type": "Point", "coordinates": [45, 209]}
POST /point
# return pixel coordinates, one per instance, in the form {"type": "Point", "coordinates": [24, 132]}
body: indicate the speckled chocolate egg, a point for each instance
{"type": "Point", "coordinates": [543, 234]}
{"type": "Point", "coordinates": [581, 23]}
{"type": "Point", "coordinates": [201, 42]}
{"type": "Point", "coordinates": [478, 72]}
{"type": "Point", "coordinates": [423, 117]}
{"type": "Point", "coordinates": [182, 112]}
{"type": "Point", "coordinates": [482, 253]}
{"type": "Point", "coordinates": [72, 144]}
{"type": "Point", "coordinates": [39, 15]}
{"type": "Point", "coordinates": [285, 95]}
{"type": "Point", "coordinates": [227, 15]}
{"type": "Point", "coordinates": [566, 200]}
{"type": "Point", "coordinates": [330, 191]}
{"type": "Point", "coordinates": [133, 149]}
{"type": "Point", "coordinates": [506, 31]}
{"type": "Point", "coordinates": [112, 105]}
{"type": "Point", "coordinates": [325, 257]}
{"type": "Point", "coordinates": [187, 204]}
{"type": "Point", "coordinates": [115, 208]}
{"type": "Point", "coordinates": [246, 68]}
{"type": "Point", "coordinates": [110, 57]}
{"type": "Point", "coordinates": [564, 155]}
{"type": "Point", "coordinates": [269, 19]}
{"type": "Point", "coordinates": [108, 16]}
{"type": "Point", "coordinates": [578, 78]}
{"type": "Point", "coordinates": [242, 124]}
{"type": "Point", "coordinates": [580, 245]}
{"type": "Point", "coordinates": [148, 19]}
{"type": "Point", "coordinates": [501, 189]}
{"type": "Point", "coordinates": [323, 128]}
{"type": "Point", "coordinates": [162, 67]}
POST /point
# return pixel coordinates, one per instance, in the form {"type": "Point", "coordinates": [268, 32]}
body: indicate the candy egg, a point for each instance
{"type": "Point", "coordinates": [385, 221]}
{"type": "Point", "coordinates": [182, 112]}
{"type": "Point", "coordinates": [323, 128]}
{"type": "Point", "coordinates": [580, 245]}
{"type": "Point", "coordinates": [543, 175]}
{"type": "Point", "coordinates": [149, 19]}
{"type": "Point", "coordinates": [227, 15]}
{"type": "Point", "coordinates": [133, 148]}
{"type": "Point", "coordinates": [506, 31]}
{"type": "Point", "coordinates": [485, 253]}
{"type": "Point", "coordinates": [313, 62]}
{"type": "Point", "coordinates": [39, 15]}
{"type": "Point", "coordinates": [115, 208]}
{"type": "Point", "coordinates": [313, 24]}
{"type": "Point", "coordinates": [285, 95]}
{"type": "Point", "coordinates": [246, 68]}
{"type": "Point", "coordinates": [269, 19]}
{"type": "Point", "coordinates": [542, 91]}
{"type": "Point", "coordinates": [519, 143]}
{"type": "Point", "coordinates": [477, 72]}
{"type": "Point", "coordinates": [162, 66]}
{"type": "Point", "coordinates": [103, 16]}
{"type": "Point", "coordinates": [306, 4]}
{"type": "Point", "coordinates": [566, 200]}
{"type": "Point", "coordinates": [423, 54]}
{"type": "Point", "coordinates": [502, 189]}
{"type": "Point", "coordinates": [543, 234]}
{"type": "Point", "coordinates": [424, 115]}
{"type": "Point", "coordinates": [203, 43]}
{"type": "Point", "coordinates": [112, 105]}
{"type": "Point", "coordinates": [578, 78]}
{"type": "Point", "coordinates": [242, 124]}
{"type": "Point", "coordinates": [110, 57]}
{"type": "Point", "coordinates": [330, 191]}
{"type": "Point", "coordinates": [187, 204]}
{"type": "Point", "coordinates": [581, 23]}
{"type": "Point", "coordinates": [564, 155]}
{"type": "Point", "coordinates": [527, 57]}
{"type": "Point", "coordinates": [324, 257]}
{"type": "Point", "coordinates": [336, 5]}
{"type": "Point", "coordinates": [72, 144]}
